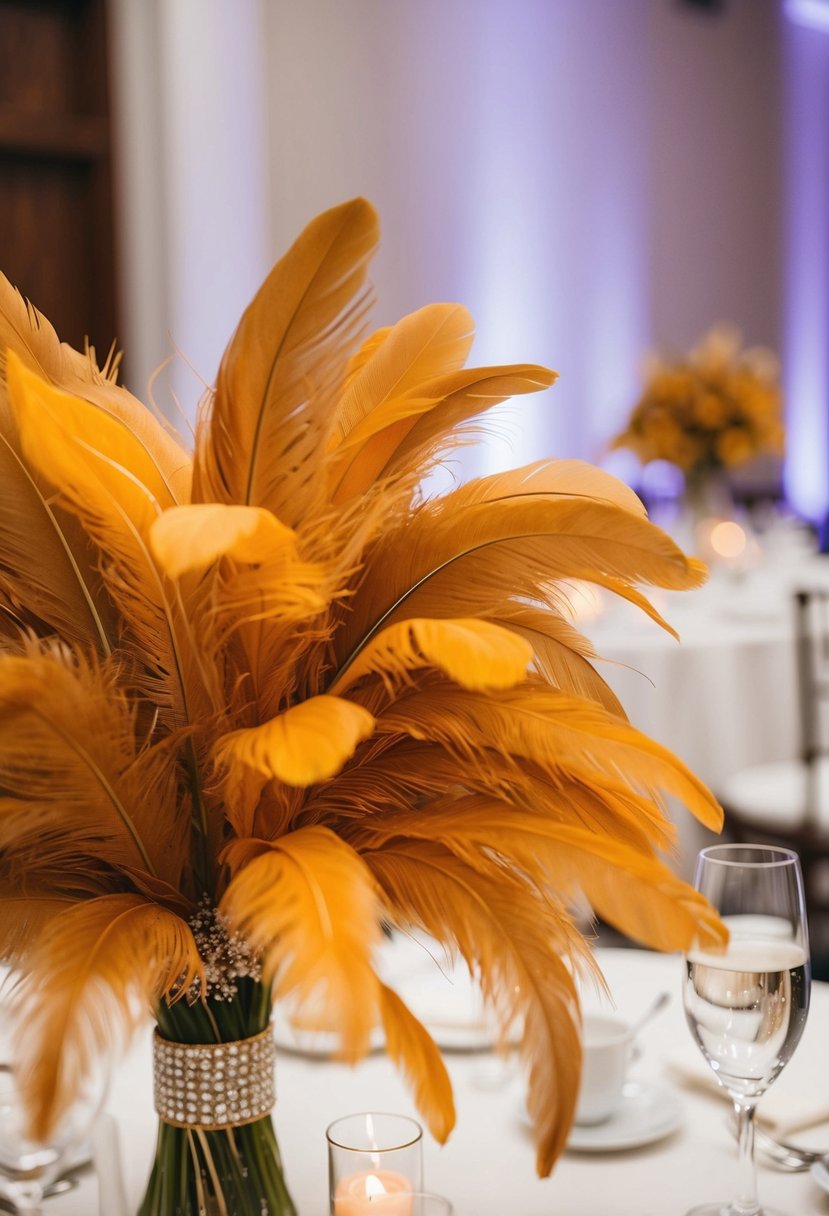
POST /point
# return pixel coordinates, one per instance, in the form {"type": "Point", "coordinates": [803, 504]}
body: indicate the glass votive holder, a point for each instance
{"type": "Point", "coordinates": [374, 1164]}
{"type": "Point", "coordinates": [424, 1203]}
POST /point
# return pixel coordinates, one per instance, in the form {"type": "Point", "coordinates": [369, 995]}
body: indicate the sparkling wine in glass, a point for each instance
{"type": "Point", "coordinates": [746, 1007]}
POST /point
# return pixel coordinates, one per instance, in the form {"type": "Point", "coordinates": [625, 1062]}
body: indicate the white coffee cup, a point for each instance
{"type": "Point", "coordinates": [607, 1046]}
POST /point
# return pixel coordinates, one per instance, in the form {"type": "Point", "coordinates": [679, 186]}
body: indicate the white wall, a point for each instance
{"type": "Point", "coordinates": [192, 182]}
{"type": "Point", "coordinates": [588, 176]}
{"type": "Point", "coordinates": [717, 172]}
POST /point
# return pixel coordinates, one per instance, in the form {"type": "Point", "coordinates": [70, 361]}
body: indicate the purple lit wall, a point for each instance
{"type": "Point", "coordinates": [806, 352]}
{"type": "Point", "coordinates": [591, 177]}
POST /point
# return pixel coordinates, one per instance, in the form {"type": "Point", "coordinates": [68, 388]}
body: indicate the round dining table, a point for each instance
{"type": "Point", "coordinates": [487, 1167]}
{"type": "Point", "coordinates": [723, 696]}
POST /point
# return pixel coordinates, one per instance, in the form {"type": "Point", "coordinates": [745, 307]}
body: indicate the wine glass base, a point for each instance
{"type": "Point", "coordinates": [726, 1209]}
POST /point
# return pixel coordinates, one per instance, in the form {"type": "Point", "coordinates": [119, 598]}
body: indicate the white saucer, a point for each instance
{"type": "Point", "coordinates": [647, 1113]}
{"type": "Point", "coordinates": [820, 1173]}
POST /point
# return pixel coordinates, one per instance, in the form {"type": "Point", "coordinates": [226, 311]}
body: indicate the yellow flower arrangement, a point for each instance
{"type": "Point", "coordinates": [258, 702]}
{"type": "Point", "coordinates": [714, 409]}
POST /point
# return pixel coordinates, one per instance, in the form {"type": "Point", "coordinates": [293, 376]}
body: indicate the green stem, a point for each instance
{"type": "Point", "coordinates": [234, 1172]}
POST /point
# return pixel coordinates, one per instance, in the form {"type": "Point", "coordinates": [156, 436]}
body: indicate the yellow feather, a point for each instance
{"type": "Point", "coordinates": [431, 342]}
{"type": "Point", "coordinates": [267, 432]}
{"type": "Point", "coordinates": [632, 890]}
{"type": "Point", "coordinates": [560, 478]}
{"type": "Point", "coordinates": [383, 443]}
{"type": "Point", "coordinates": [360, 357]}
{"type": "Point", "coordinates": [439, 429]}
{"type": "Point", "coordinates": [557, 732]}
{"type": "Point", "coordinates": [310, 742]}
{"type": "Point", "coordinates": [94, 971]}
{"type": "Point", "coordinates": [561, 654]}
{"type": "Point", "coordinates": [74, 783]}
{"type": "Point", "coordinates": [106, 477]}
{"type": "Point", "coordinates": [73, 444]}
{"type": "Point", "coordinates": [475, 654]}
{"type": "Point", "coordinates": [514, 942]}
{"type": "Point", "coordinates": [189, 538]}
{"type": "Point", "coordinates": [407, 773]}
{"type": "Point", "coordinates": [464, 557]}
{"type": "Point", "coordinates": [412, 1050]}
{"type": "Point", "coordinates": [29, 335]}
{"type": "Point", "coordinates": [310, 905]}
{"type": "Point", "coordinates": [47, 566]}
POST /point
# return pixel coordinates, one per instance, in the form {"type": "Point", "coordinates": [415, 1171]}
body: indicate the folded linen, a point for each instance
{"type": "Point", "coordinates": [795, 1102]}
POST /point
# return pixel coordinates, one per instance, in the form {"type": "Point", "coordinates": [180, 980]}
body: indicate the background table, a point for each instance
{"type": "Point", "coordinates": [487, 1168]}
{"type": "Point", "coordinates": [725, 695]}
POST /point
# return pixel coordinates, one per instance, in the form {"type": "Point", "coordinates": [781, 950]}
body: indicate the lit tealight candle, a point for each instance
{"type": "Point", "coordinates": [374, 1193]}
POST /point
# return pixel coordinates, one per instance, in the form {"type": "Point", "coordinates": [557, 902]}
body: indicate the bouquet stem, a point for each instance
{"type": "Point", "coordinates": [234, 1171]}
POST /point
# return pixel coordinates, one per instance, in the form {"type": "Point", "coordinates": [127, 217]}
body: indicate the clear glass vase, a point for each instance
{"type": "Point", "coordinates": [233, 1171]}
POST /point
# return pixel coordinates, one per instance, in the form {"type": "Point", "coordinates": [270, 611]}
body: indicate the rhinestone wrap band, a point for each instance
{"type": "Point", "coordinates": [214, 1085]}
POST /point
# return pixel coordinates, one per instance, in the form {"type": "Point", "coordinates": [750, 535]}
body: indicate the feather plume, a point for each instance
{"type": "Point", "coordinates": [28, 334]}
{"type": "Point", "coordinates": [512, 941]}
{"type": "Point", "coordinates": [403, 435]}
{"type": "Point", "coordinates": [23, 918]}
{"type": "Point", "coordinates": [562, 656]}
{"type": "Point", "coordinates": [281, 679]}
{"type": "Point", "coordinates": [106, 477]}
{"type": "Point", "coordinates": [309, 742]}
{"type": "Point", "coordinates": [413, 1051]}
{"type": "Point", "coordinates": [190, 538]}
{"type": "Point", "coordinates": [78, 997]}
{"type": "Point", "coordinates": [467, 557]}
{"type": "Point", "coordinates": [310, 905]}
{"type": "Point", "coordinates": [74, 782]}
{"type": "Point", "coordinates": [614, 876]}
{"type": "Point", "coordinates": [269, 424]}
{"type": "Point", "coordinates": [556, 732]}
{"type": "Point", "coordinates": [47, 565]}
{"type": "Point", "coordinates": [431, 342]}
{"type": "Point", "coordinates": [476, 654]}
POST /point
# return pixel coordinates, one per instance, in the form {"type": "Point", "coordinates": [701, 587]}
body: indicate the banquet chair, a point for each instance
{"type": "Point", "coordinates": [787, 802]}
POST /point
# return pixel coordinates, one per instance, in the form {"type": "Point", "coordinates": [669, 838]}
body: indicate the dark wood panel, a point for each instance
{"type": "Point", "coordinates": [72, 138]}
{"type": "Point", "coordinates": [39, 72]}
{"type": "Point", "coordinates": [56, 220]}
{"type": "Point", "coordinates": [46, 244]}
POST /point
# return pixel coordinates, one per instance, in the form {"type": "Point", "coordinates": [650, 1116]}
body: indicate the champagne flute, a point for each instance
{"type": "Point", "coordinates": [29, 1167]}
{"type": "Point", "coordinates": [747, 1007]}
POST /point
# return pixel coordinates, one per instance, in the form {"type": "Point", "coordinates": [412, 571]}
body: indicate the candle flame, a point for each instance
{"type": "Point", "coordinates": [374, 1186]}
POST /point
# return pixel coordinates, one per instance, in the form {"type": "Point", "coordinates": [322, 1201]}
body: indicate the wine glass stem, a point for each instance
{"type": "Point", "coordinates": [746, 1203]}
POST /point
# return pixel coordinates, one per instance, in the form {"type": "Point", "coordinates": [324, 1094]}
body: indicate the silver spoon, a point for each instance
{"type": "Point", "coordinates": [661, 1001]}
{"type": "Point", "coordinates": [782, 1153]}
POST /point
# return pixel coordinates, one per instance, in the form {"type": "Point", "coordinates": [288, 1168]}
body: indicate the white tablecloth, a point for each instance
{"type": "Point", "coordinates": [487, 1168]}
{"type": "Point", "coordinates": [725, 695]}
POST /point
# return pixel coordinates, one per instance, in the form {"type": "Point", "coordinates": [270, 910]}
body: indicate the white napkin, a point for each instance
{"type": "Point", "coordinates": [784, 1109]}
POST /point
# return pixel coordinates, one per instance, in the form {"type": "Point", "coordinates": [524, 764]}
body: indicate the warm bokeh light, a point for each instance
{"type": "Point", "coordinates": [728, 540]}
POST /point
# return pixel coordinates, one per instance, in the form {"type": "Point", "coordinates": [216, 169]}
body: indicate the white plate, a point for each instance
{"type": "Point", "coordinates": [318, 1044]}
{"type": "Point", "coordinates": [820, 1173]}
{"type": "Point", "coordinates": [647, 1113]}
{"type": "Point", "coordinates": [440, 995]}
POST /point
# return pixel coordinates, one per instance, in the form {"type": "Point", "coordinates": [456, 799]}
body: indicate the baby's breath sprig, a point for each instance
{"type": "Point", "coordinates": [227, 957]}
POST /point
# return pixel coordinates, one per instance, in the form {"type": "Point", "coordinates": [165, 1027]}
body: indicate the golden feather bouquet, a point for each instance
{"type": "Point", "coordinates": [257, 702]}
